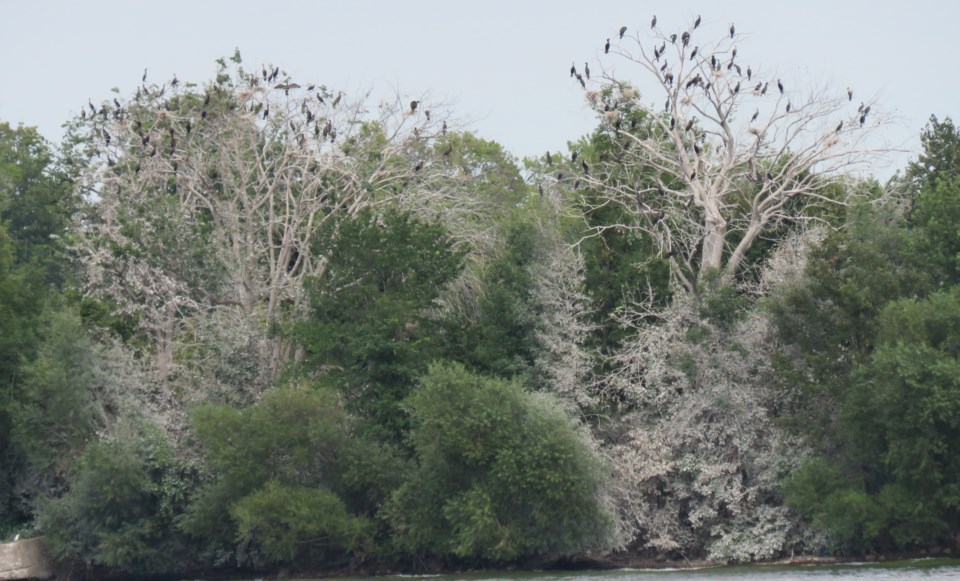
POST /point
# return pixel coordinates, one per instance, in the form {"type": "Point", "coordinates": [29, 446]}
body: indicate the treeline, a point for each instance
{"type": "Point", "coordinates": [256, 327]}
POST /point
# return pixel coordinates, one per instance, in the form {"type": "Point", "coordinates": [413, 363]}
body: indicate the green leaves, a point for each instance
{"type": "Point", "coordinates": [502, 474]}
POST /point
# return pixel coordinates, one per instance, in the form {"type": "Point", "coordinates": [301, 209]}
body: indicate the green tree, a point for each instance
{"type": "Point", "coordinates": [502, 474]}
{"type": "Point", "coordinates": [371, 330]}
{"type": "Point", "coordinates": [119, 510]}
{"type": "Point", "coordinates": [277, 471]}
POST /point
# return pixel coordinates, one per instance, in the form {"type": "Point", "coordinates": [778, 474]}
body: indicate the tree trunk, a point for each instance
{"type": "Point", "coordinates": [713, 241]}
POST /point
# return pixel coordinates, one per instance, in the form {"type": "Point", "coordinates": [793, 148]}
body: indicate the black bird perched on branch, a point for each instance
{"type": "Point", "coordinates": [736, 88]}
{"type": "Point", "coordinates": [764, 90]}
{"type": "Point", "coordinates": [685, 38]}
{"type": "Point", "coordinates": [623, 30]}
{"type": "Point", "coordinates": [733, 30]}
{"type": "Point", "coordinates": [696, 22]}
{"type": "Point", "coordinates": [673, 122]}
{"type": "Point", "coordinates": [413, 106]}
{"type": "Point", "coordinates": [839, 127]}
{"type": "Point", "coordinates": [749, 73]}
{"type": "Point", "coordinates": [849, 94]}
{"type": "Point", "coordinates": [693, 54]}
{"type": "Point", "coordinates": [673, 38]}
{"type": "Point", "coordinates": [755, 115]}
{"type": "Point", "coordinates": [788, 106]}
{"type": "Point", "coordinates": [653, 23]}
{"type": "Point", "coordinates": [586, 168]}
{"type": "Point", "coordinates": [573, 69]}
{"type": "Point", "coordinates": [549, 159]}
{"type": "Point", "coordinates": [586, 70]}
{"type": "Point", "coordinates": [606, 47]}
{"type": "Point", "coordinates": [689, 126]}
{"type": "Point", "coordinates": [780, 86]}
{"type": "Point", "coordinates": [582, 82]}
{"type": "Point", "coordinates": [144, 78]}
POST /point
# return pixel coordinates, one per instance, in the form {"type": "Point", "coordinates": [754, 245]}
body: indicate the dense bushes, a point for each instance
{"type": "Point", "coordinates": [501, 474]}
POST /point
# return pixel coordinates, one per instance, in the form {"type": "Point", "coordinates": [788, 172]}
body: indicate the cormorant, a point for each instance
{"type": "Point", "coordinates": [653, 23]}
{"type": "Point", "coordinates": [693, 54]}
{"type": "Point", "coordinates": [419, 166]}
{"type": "Point", "coordinates": [764, 90]}
{"type": "Point", "coordinates": [573, 69]}
{"type": "Point", "coordinates": [849, 94]}
{"type": "Point", "coordinates": [780, 86]}
{"type": "Point", "coordinates": [623, 30]}
{"type": "Point", "coordinates": [696, 22]}
{"type": "Point", "coordinates": [144, 75]}
{"type": "Point", "coordinates": [685, 38]}
{"type": "Point", "coordinates": [689, 126]}
{"type": "Point", "coordinates": [736, 88]}
{"type": "Point", "coordinates": [757, 88]}
{"type": "Point", "coordinates": [788, 106]}
{"type": "Point", "coordinates": [863, 119]}
{"type": "Point", "coordinates": [549, 159]}
{"type": "Point", "coordinates": [586, 70]}
{"type": "Point", "coordinates": [839, 127]}
{"type": "Point", "coordinates": [413, 106]}
{"type": "Point", "coordinates": [673, 38]}
{"type": "Point", "coordinates": [606, 47]}
{"type": "Point", "coordinates": [749, 73]}
{"type": "Point", "coordinates": [755, 115]}
{"type": "Point", "coordinates": [732, 30]}
{"type": "Point", "coordinates": [673, 122]}
{"type": "Point", "coordinates": [586, 168]}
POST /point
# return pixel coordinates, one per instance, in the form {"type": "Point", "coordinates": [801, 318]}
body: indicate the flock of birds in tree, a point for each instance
{"type": "Point", "coordinates": [716, 67]}
{"type": "Point", "coordinates": [161, 138]}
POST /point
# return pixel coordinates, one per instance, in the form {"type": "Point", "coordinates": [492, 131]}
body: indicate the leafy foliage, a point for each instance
{"type": "Point", "coordinates": [501, 475]}
{"type": "Point", "coordinates": [371, 330]}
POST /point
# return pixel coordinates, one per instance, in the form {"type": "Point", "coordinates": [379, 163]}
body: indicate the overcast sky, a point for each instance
{"type": "Point", "coordinates": [502, 65]}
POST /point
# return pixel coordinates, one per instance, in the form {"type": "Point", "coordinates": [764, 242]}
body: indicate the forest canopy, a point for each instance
{"type": "Point", "coordinates": [256, 323]}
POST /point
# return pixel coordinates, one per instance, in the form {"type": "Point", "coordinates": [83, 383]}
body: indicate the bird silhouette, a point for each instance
{"type": "Point", "coordinates": [780, 86]}
{"type": "Point", "coordinates": [586, 70]}
{"type": "Point", "coordinates": [623, 30]}
{"type": "Point", "coordinates": [755, 115]}
{"type": "Point", "coordinates": [653, 23]}
{"type": "Point", "coordinates": [606, 47]}
{"type": "Point", "coordinates": [849, 94]}
{"type": "Point", "coordinates": [413, 106]}
{"type": "Point", "coordinates": [733, 30]}
{"type": "Point", "coordinates": [696, 22]}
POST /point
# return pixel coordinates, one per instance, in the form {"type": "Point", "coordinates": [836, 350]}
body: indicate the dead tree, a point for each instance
{"type": "Point", "coordinates": [732, 150]}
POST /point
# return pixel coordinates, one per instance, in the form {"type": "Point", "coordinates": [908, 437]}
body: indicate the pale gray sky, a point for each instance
{"type": "Point", "coordinates": [503, 65]}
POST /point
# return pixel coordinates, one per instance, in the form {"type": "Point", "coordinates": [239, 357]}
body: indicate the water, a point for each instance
{"type": "Point", "coordinates": [909, 570]}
